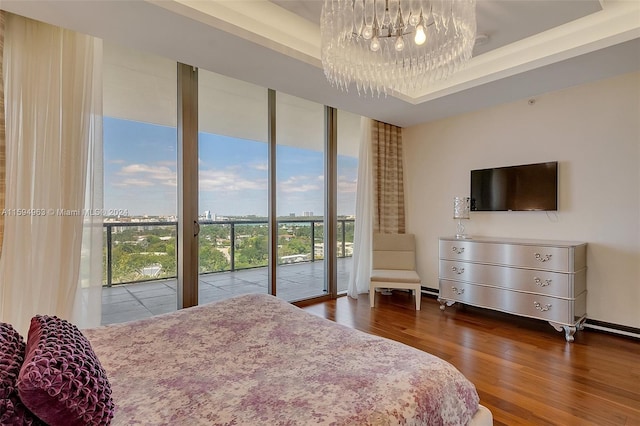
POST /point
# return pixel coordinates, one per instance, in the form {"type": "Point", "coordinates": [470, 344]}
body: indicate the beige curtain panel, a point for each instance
{"type": "Point", "coordinates": [388, 179]}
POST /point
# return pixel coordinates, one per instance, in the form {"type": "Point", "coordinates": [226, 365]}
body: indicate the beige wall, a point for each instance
{"type": "Point", "coordinates": [593, 131]}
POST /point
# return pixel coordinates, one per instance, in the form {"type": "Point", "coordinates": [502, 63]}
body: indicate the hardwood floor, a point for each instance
{"type": "Point", "coordinates": [524, 370]}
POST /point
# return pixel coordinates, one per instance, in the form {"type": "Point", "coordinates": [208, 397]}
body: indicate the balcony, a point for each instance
{"type": "Point", "coordinates": [139, 261]}
{"type": "Point", "coordinates": [126, 302]}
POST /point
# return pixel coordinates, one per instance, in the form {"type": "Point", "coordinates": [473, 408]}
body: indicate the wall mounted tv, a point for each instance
{"type": "Point", "coordinates": [527, 187]}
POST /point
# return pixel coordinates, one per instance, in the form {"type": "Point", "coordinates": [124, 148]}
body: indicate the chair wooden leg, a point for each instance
{"type": "Point", "coordinates": [418, 295]}
{"type": "Point", "coordinates": [372, 296]}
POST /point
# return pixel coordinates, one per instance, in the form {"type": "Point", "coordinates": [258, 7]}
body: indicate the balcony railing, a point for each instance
{"type": "Point", "coordinates": [146, 251]}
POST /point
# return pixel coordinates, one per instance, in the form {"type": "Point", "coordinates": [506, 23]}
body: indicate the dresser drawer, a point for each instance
{"type": "Point", "coordinates": [558, 259]}
{"type": "Point", "coordinates": [543, 282]}
{"type": "Point", "coordinates": [525, 304]}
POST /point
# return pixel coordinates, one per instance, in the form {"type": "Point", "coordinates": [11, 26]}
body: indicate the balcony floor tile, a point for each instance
{"type": "Point", "coordinates": [126, 302]}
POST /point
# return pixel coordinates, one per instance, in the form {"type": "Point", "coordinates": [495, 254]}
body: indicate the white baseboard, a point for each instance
{"type": "Point", "coordinates": [605, 327]}
{"type": "Point", "coordinates": [612, 330]}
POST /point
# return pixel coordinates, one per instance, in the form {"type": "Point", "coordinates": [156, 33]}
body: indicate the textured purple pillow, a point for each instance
{"type": "Point", "coordinates": [61, 380]}
{"type": "Point", "coordinates": [12, 347]}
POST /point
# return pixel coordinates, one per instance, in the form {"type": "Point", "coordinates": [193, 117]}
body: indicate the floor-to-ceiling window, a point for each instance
{"type": "Point", "coordinates": [233, 195]}
{"type": "Point", "coordinates": [139, 183]}
{"type": "Point", "coordinates": [300, 196]}
{"type": "Point", "coordinates": [233, 187]}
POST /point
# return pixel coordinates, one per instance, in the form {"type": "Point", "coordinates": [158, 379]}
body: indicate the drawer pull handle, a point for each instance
{"type": "Point", "coordinates": [542, 258]}
{"type": "Point", "coordinates": [457, 290]}
{"type": "Point", "coordinates": [457, 250]}
{"type": "Point", "coordinates": [457, 270]}
{"type": "Point", "coordinates": [540, 307]}
{"type": "Point", "coordinates": [542, 283]}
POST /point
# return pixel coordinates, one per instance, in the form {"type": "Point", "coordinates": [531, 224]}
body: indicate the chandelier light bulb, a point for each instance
{"type": "Point", "coordinates": [399, 44]}
{"type": "Point", "coordinates": [421, 36]}
{"type": "Point", "coordinates": [375, 44]}
{"type": "Point", "coordinates": [367, 32]}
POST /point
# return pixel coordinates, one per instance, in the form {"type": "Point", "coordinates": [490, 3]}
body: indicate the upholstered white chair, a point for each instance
{"type": "Point", "coordinates": [394, 265]}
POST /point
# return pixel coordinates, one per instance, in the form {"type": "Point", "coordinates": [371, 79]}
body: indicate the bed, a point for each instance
{"type": "Point", "coordinates": [257, 360]}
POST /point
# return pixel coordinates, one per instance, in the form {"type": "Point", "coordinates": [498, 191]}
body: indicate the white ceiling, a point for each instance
{"type": "Point", "coordinates": [503, 22]}
{"type": "Point", "coordinates": [534, 46]}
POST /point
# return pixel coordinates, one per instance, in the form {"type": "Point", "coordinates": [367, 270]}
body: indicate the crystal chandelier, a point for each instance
{"type": "Point", "coordinates": [395, 45]}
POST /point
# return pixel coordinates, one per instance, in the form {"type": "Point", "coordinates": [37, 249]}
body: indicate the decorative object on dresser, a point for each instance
{"type": "Point", "coordinates": [533, 278]}
{"type": "Point", "coordinates": [461, 208]}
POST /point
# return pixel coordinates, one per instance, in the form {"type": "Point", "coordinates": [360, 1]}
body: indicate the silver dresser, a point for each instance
{"type": "Point", "coordinates": [532, 278]}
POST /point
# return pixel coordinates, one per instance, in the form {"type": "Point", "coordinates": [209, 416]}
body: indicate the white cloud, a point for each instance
{"type": "Point", "coordinates": [134, 182]}
{"type": "Point", "coordinates": [299, 184]}
{"type": "Point", "coordinates": [146, 175]}
{"type": "Point", "coordinates": [261, 166]}
{"type": "Point", "coordinates": [346, 184]}
{"type": "Point", "coordinates": [158, 173]}
{"type": "Point", "coordinates": [228, 180]}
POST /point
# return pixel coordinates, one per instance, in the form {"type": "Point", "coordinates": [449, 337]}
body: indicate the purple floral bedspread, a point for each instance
{"type": "Point", "coordinates": [257, 360]}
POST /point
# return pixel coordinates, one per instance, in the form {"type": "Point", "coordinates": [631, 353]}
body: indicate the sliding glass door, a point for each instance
{"type": "Point", "coordinates": [233, 187]}
{"type": "Point", "coordinates": [300, 197]}
{"type": "Point", "coordinates": [139, 184]}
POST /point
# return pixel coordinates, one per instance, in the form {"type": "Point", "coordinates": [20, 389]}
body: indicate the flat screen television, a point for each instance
{"type": "Point", "coordinates": [528, 187]}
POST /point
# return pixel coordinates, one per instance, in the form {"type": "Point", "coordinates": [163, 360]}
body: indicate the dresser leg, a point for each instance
{"type": "Point", "coordinates": [569, 330]}
{"type": "Point", "coordinates": [444, 303]}
{"type": "Point", "coordinates": [556, 326]}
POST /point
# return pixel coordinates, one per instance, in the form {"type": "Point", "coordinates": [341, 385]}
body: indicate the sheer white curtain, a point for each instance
{"type": "Point", "coordinates": [363, 231]}
{"type": "Point", "coordinates": [2, 136]}
{"type": "Point", "coordinates": [52, 248]}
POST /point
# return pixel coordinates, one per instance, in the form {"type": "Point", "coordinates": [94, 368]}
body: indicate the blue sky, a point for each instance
{"type": "Point", "coordinates": [140, 174]}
